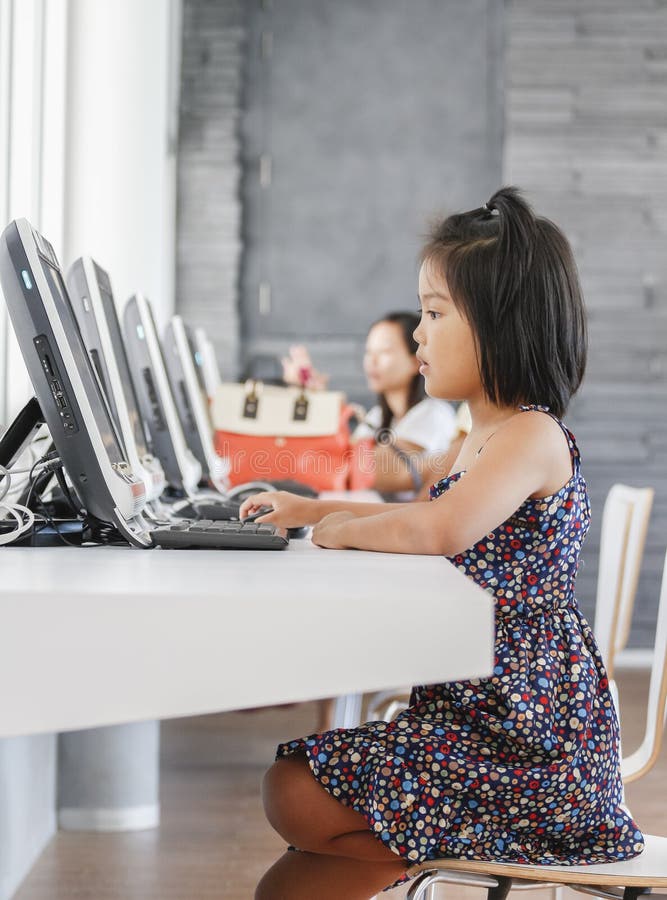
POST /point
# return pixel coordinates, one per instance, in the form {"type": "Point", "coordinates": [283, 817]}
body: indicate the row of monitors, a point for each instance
{"type": "Point", "coordinates": [127, 414]}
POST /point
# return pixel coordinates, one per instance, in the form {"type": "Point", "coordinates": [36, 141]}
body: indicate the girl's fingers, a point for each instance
{"type": "Point", "coordinates": [252, 504]}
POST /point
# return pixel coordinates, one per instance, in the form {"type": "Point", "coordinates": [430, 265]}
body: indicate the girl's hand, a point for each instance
{"type": "Point", "coordinates": [327, 531]}
{"type": "Point", "coordinates": [289, 510]}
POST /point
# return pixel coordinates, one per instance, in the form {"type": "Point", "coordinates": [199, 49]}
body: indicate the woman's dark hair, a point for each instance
{"type": "Point", "coordinates": [513, 276]}
{"type": "Point", "coordinates": [407, 322]}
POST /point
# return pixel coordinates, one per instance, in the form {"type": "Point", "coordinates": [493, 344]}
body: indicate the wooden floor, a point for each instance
{"type": "Point", "coordinates": [213, 841]}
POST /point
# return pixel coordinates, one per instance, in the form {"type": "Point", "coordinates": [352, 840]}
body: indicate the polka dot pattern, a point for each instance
{"type": "Point", "coordinates": [522, 766]}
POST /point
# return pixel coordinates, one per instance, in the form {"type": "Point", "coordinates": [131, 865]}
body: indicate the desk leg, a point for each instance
{"type": "Point", "coordinates": [347, 711]}
{"type": "Point", "coordinates": [108, 778]}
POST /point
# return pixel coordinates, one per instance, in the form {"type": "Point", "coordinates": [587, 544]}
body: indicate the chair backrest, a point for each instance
{"type": "Point", "coordinates": [624, 526]}
{"type": "Point", "coordinates": [639, 762]}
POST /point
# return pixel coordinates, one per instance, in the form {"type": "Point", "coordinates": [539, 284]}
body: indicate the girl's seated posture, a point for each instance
{"type": "Point", "coordinates": [521, 766]}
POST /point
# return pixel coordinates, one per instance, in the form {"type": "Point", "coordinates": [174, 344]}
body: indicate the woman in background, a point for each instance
{"type": "Point", "coordinates": [412, 433]}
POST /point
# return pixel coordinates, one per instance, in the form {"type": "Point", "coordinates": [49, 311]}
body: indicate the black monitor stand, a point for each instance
{"type": "Point", "coordinates": [19, 434]}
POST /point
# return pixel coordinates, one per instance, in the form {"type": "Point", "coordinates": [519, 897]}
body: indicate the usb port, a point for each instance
{"type": "Point", "coordinates": [61, 402]}
{"type": "Point", "coordinates": [55, 385]}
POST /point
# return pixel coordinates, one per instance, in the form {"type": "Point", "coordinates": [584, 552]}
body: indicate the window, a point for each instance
{"type": "Point", "coordinates": [32, 132]}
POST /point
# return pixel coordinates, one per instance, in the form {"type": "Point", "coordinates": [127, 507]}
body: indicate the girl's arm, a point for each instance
{"type": "Point", "coordinates": [292, 511]}
{"type": "Point", "coordinates": [528, 456]}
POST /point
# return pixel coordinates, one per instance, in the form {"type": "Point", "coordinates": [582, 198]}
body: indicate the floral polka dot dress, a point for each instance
{"type": "Point", "coordinates": [521, 766]}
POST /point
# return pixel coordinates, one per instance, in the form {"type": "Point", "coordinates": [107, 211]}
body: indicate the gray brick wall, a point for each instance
{"type": "Point", "coordinates": [209, 208]}
{"type": "Point", "coordinates": [376, 116]}
{"type": "Point", "coordinates": [586, 134]}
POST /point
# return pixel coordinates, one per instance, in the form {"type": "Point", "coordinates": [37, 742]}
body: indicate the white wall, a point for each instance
{"type": "Point", "coordinates": [120, 139]}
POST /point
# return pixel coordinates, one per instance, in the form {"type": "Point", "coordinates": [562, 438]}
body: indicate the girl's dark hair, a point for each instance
{"type": "Point", "coordinates": [407, 322]}
{"type": "Point", "coordinates": [512, 274]}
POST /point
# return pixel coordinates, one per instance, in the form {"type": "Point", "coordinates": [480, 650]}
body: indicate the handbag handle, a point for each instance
{"type": "Point", "coordinates": [253, 390]}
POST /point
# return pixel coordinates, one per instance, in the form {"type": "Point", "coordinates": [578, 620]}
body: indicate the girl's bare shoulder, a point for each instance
{"type": "Point", "coordinates": [539, 438]}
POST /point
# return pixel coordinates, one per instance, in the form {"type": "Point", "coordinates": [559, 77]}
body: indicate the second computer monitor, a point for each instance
{"type": "Point", "coordinates": [92, 297]}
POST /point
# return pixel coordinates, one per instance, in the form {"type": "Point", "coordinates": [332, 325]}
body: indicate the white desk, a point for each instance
{"type": "Point", "coordinates": [97, 636]}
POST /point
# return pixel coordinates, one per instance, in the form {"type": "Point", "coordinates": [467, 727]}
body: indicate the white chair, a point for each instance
{"type": "Point", "coordinates": [622, 538]}
{"type": "Point", "coordinates": [616, 881]}
{"type": "Point", "coordinates": [643, 759]}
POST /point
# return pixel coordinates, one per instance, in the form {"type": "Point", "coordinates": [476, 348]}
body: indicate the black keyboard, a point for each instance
{"type": "Point", "coordinates": [218, 535]}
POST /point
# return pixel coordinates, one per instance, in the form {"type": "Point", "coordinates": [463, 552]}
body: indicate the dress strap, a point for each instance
{"type": "Point", "coordinates": [569, 437]}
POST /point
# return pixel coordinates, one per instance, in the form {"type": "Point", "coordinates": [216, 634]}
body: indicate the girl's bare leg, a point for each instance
{"type": "Point", "coordinates": [303, 876]}
{"type": "Point", "coordinates": [343, 857]}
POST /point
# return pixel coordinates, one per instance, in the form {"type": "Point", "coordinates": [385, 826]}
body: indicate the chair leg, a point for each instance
{"type": "Point", "coordinates": [632, 893]}
{"type": "Point", "coordinates": [501, 890]}
{"type": "Point", "coordinates": [420, 886]}
{"type": "Point", "coordinates": [423, 888]}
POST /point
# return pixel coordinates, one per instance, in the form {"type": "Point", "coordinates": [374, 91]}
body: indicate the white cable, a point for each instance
{"type": "Point", "coordinates": [8, 474]}
{"type": "Point", "coordinates": [24, 518]}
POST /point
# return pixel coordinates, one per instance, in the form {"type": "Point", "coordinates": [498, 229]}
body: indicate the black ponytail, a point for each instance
{"type": "Point", "coordinates": [513, 276]}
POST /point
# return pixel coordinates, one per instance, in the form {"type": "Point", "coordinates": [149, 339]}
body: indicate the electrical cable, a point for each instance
{"type": "Point", "coordinates": [46, 514]}
{"type": "Point", "coordinates": [22, 515]}
{"type": "Point", "coordinates": [67, 494]}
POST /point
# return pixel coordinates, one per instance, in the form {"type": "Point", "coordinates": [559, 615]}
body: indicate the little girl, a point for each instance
{"type": "Point", "coordinates": [521, 766]}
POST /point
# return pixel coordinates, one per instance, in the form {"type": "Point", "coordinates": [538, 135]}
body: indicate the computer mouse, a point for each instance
{"type": "Point", "coordinates": [262, 511]}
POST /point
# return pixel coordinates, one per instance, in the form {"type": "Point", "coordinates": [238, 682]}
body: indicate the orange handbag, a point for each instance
{"type": "Point", "coordinates": [273, 433]}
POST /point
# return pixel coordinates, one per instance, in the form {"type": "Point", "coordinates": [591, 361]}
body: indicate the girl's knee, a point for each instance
{"type": "Point", "coordinates": [282, 790]}
{"type": "Point", "coordinates": [301, 810]}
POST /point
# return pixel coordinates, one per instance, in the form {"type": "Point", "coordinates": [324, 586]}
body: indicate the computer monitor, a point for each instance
{"type": "Point", "coordinates": [207, 363]}
{"type": "Point", "coordinates": [190, 402]}
{"type": "Point", "coordinates": [66, 387]}
{"type": "Point", "coordinates": [156, 402]}
{"type": "Point", "coordinates": [92, 299]}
